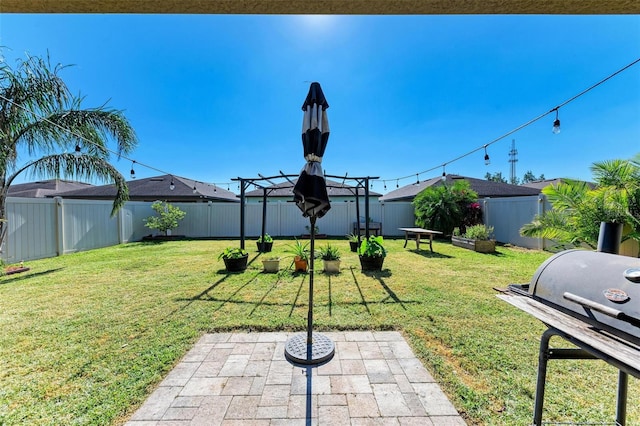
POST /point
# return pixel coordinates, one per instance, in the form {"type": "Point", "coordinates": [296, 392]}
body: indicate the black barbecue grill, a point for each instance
{"type": "Point", "coordinates": [591, 299]}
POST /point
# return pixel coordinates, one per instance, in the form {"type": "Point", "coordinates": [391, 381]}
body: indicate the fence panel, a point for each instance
{"type": "Point", "coordinates": [508, 215]}
{"type": "Point", "coordinates": [31, 229]}
{"type": "Point", "coordinates": [87, 224]}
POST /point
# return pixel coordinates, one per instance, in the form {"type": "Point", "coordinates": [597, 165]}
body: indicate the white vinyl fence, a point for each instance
{"type": "Point", "coordinates": [40, 228]}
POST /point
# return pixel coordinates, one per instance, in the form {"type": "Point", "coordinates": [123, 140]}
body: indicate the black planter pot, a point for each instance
{"type": "Point", "coordinates": [236, 264]}
{"type": "Point", "coordinates": [354, 246]}
{"type": "Point", "coordinates": [264, 247]}
{"type": "Point", "coordinates": [369, 263]}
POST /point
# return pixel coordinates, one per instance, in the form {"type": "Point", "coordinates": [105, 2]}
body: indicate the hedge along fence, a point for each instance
{"type": "Point", "coordinates": [47, 227]}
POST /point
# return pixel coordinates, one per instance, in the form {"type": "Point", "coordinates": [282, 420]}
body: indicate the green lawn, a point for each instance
{"type": "Point", "coordinates": [84, 338]}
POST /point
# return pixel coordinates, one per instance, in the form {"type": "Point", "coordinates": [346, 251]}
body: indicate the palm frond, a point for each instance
{"type": "Point", "coordinates": [82, 167]}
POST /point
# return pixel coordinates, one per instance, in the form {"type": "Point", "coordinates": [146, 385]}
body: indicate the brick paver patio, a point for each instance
{"type": "Point", "coordinates": [244, 379]}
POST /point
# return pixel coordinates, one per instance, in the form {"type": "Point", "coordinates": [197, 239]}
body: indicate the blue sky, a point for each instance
{"type": "Point", "coordinates": [218, 97]}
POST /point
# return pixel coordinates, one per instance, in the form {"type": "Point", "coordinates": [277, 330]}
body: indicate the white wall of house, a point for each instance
{"type": "Point", "coordinates": [39, 228]}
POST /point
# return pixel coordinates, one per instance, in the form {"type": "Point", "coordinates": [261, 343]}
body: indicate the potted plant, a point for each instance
{"type": "Point", "coordinates": [353, 242]}
{"type": "Point", "coordinates": [266, 245]}
{"type": "Point", "coordinates": [235, 259]}
{"type": "Point", "coordinates": [301, 255]}
{"type": "Point", "coordinates": [372, 253]}
{"type": "Point", "coordinates": [476, 237]}
{"type": "Point", "coordinates": [331, 259]}
{"type": "Point", "coordinates": [271, 264]}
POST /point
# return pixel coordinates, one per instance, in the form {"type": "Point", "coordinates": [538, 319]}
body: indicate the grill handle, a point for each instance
{"type": "Point", "coordinates": [611, 312]}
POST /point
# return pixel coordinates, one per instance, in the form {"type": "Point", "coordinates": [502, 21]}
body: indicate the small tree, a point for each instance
{"type": "Point", "coordinates": [167, 219]}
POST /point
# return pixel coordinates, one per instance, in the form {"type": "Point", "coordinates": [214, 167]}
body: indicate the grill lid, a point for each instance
{"type": "Point", "coordinates": [600, 288]}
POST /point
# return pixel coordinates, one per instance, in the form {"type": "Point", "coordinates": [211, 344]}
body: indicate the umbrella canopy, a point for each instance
{"type": "Point", "coordinates": [310, 192]}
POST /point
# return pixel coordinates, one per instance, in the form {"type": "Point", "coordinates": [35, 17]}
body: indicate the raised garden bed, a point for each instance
{"type": "Point", "coordinates": [481, 246]}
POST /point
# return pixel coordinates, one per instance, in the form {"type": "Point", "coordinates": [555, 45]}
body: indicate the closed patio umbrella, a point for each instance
{"type": "Point", "coordinates": [310, 195]}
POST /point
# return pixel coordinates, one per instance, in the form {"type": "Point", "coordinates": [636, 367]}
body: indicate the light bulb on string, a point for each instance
{"type": "Point", "coordinates": [417, 179]}
{"type": "Point", "coordinates": [214, 188]}
{"type": "Point", "coordinates": [444, 173]}
{"type": "Point", "coordinates": [487, 161]}
{"type": "Point", "coordinates": [172, 186]}
{"type": "Point", "coordinates": [398, 183]}
{"type": "Point", "coordinates": [133, 172]}
{"type": "Point", "coordinates": [385, 185]}
{"type": "Point", "coordinates": [194, 188]}
{"type": "Point", "coordinates": [556, 124]}
{"type": "Point", "coordinates": [77, 152]}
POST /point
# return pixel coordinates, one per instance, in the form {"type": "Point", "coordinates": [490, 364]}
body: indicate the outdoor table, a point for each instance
{"type": "Point", "coordinates": [418, 233]}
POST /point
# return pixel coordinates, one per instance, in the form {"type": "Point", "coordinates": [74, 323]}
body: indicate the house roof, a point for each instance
{"type": "Point", "coordinates": [540, 184]}
{"type": "Point", "coordinates": [484, 188]}
{"type": "Point", "coordinates": [334, 189]}
{"type": "Point", "coordinates": [44, 188]}
{"type": "Point", "coordinates": [157, 188]}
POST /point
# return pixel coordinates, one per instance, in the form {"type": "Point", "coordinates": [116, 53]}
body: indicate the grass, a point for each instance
{"type": "Point", "coordinates": [84, 338]}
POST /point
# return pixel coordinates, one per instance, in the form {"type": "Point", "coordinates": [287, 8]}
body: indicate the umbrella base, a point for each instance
{"type": "Point", "coordinates": [298, 351]}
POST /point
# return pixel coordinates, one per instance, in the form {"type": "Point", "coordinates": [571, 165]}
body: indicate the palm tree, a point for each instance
{"type": "Point", "coordinates": [578, 209]}
{"type": "Point", "coordinates": [40, 117]}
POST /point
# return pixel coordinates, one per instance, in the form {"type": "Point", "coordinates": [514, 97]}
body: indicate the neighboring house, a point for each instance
{"type": "Point", "coordinates": [540, 184]}
{"type": "Point", "coordinates": [484, 188]}
{"type": "Point", "coordinates": [157, 188]}
{"type": "Point", "coordinates": [44, 188]}
{"type": "Point", "coordinates": [283, 192]}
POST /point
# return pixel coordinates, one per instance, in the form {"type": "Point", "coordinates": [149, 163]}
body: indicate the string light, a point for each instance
{"type": "Point", "coordinates": [487, 161]}
{"type": "Point", "coordinates": [77, 152]}
{"type": "Point", "coordinates": [194, 188]}
{"type": "Point", "coordinates": [214, 188]}
{"type": "Point", "coordinates": [417, 179]}
{"type": "Point", "coordinates": [172, 186]}
{"type": "Point", "coordinates": [133, 172]}
{"type": "Point", "coordinates": [556, 124]}
{"type": "Point", "coordinates": [385, 185]}
{"type": "Point", "coordinates": [444, 173]}
{"type": "Point", "coordinates": [555, 129]}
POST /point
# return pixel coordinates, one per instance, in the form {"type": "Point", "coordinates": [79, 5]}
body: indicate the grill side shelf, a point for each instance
{"type": "Point", "coordinates": [623, 354]}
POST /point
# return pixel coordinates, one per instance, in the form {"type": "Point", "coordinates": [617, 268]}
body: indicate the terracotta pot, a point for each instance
{"type": "Point", "coordinates": [300, 264]}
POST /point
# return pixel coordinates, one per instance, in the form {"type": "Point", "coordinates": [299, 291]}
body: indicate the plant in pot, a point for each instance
{"type": "Point", "coordinates": [301, 253]}
{"type": "Point", "coordinates": [264, 246]}
{"type": "Point", "coordinates": [372, 253]}
{"type": "Point", "coordinates": [235, 259]}
{"type": "Point", "coordinates": [271, 264]}
{"type": "Point", "coordinates": [331, 259]}
{"type": "Point", "coordinates": [476, 237]}
{"type": "Point", "coordinates": [353, 242]}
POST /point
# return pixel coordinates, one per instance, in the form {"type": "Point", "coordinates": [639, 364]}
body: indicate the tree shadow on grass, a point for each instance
{"type": "Point", "coordinates": [26, 275]}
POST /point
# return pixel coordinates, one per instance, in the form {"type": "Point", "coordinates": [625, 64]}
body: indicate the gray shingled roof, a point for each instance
{"type": "Point", "coordinates": [44, 188]}
{"type": "Point", "coordinates": [157, 188]}
{"type": "Point", "coordinates": [484, 188]}
{"type": "Point", "coordinates": [335, 189]}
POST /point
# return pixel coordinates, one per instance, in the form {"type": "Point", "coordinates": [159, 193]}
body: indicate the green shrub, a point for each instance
{"type": "Point", "coordinates": [479, 232]}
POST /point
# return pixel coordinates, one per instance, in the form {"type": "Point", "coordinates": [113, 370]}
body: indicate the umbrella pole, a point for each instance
{"type": "Point", "coordinates": [311, 261]}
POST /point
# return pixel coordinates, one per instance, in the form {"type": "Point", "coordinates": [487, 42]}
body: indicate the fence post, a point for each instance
{"type": "Point", "coordinates": [541, 202]}
{"type": "Point", "coordinates": [59, 225]}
